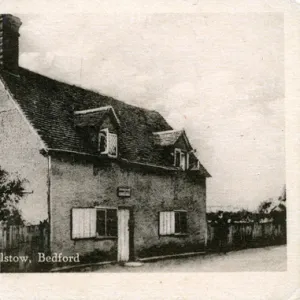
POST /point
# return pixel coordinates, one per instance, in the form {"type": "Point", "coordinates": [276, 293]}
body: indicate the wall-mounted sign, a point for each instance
{"type": "Point", "coordinates": [124, 191]}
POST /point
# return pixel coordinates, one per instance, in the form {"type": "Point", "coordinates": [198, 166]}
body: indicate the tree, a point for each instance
{"type": "Point", "coordinates": [265, 206]}
{"type": "Point", "coordinates": [241, 215]}
{"type": "Point", "coordinates": [278, 212]}
{"type": "Point", "coordinates": [11, 192]}
{"type": "Point", "coordinates": [274, 209]}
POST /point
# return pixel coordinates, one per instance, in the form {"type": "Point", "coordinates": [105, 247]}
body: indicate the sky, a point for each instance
{"type": "Point", "coordinates": [220, 76]}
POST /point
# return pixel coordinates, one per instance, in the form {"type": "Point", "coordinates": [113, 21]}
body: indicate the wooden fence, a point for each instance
{"type": "Point", "coordinates": [18, 242]}
{"type": "Point", "coordinates": [20, 245]}
{"type": "Point", "coordinates": [245, 235]}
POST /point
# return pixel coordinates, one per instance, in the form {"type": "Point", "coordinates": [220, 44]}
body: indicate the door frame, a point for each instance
{"type": "Point", "coordinates": [131, 230]}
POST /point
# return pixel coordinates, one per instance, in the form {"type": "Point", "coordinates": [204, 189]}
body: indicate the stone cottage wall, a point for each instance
{"type": "Point", "coordinates": [81, 184]}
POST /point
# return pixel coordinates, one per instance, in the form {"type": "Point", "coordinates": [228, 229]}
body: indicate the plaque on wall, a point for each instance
{"type": "Point", "coordinates": [124, 191]}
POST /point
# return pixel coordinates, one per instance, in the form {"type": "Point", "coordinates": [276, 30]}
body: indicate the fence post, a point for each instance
{"type": "Point", "coordinates": [230, 235]}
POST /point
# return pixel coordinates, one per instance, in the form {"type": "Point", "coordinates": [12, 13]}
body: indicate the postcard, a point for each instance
{"type": "Point", "coordinates": [135, 144]}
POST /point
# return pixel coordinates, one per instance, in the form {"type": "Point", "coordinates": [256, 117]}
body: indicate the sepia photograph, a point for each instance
{"type": "Point", "coordinates": [142, 143]}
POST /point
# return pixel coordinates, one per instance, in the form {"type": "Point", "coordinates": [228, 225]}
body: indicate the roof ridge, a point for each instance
{"type": "Point", "coordinates": [168, 131]}
{"type": "Point", "coordinates": [91, 110]}
{"type": "Point", "coordinates": [87, 90]}
{"type": "Point", "coordinates": [98, 109]}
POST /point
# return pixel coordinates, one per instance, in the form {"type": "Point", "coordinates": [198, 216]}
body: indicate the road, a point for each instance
{"type": "Point", "coordinates": [259, 259]}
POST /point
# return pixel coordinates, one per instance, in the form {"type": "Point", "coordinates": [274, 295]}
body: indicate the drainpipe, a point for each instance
{"type": "Point", "coordinates": [49, 203]}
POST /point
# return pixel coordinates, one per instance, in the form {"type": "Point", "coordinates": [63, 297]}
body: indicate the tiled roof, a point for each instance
{"type": "Point", "coordinates": [50, 105]}
{"type": "Point", "coordinates": [167, 138]}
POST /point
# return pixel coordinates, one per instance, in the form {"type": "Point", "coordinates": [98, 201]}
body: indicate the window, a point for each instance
{"type": "Point", "coordinates": [108, 143]}
{"type": "Point", "coordinates": [180, 222]}
{"type": "Point", "coordinates": [94, 222]}
{"type": "Point", "coordinates": [172, 222]}
{"type": "Point", "coordinates": [177, 158]}
{"type": "Point", "coordinates": [107, 222]}
{"type": "Point", "coordinates": [181, 159]}
{"type": "Point", "coordinates": [102, 147]}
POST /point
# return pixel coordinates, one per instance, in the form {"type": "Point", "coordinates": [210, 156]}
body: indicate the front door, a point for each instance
{"type": "Point", "coordinates": [123, 234]}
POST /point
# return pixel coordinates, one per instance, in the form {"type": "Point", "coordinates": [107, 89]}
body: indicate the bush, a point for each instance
{"type": "Point", "coordinates": [170, 248]}
{"type": "Point", "coordinates": [98, 256]}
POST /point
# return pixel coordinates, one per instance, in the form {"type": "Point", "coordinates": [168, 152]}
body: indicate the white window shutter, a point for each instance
{"type": "Point", "coordinates": [172, 222]}
{"type": "Point", "coordinates": [166, 223]}
{"type": "Point", "coordinates": [92, 223]}
{"type": "Point", "coordinates": [83, 223]}
{"type": "Point", "coordinates": [112, 144]}
{"type": "Point", "coordinates": [182, 160]}
{"type": "Point", "coordinates": [162, 230]}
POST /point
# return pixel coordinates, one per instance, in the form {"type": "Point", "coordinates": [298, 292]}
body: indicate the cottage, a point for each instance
{"type": "Point", "coordinates": [106, 175]}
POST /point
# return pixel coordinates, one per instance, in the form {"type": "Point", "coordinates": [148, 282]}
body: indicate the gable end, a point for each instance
{"type": "Point", "coordinates": [20, 111]}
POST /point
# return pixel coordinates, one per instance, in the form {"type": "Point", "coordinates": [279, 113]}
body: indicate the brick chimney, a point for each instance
{"type": "Point", "coordinates": [9, 43]}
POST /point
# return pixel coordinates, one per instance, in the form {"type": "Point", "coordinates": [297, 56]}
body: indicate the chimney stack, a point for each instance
{"type": "Point", "coordinates": [9, 43]}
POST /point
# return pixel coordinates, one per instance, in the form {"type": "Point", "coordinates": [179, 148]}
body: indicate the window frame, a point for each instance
{"type": "Point", "coordinates": [186, 229]}
{"type": "Point", "coordinates": [182, 160]}
{"type": "Point", "coordinates": [176, 150]}
{"type": "Point", "coordinates": [185, 233]}
{"type": "Point", "coordinates": [99, 133]}
{"type": "Point", "coordinates": [96, 235]}
{"type": "Point", "coordinates": [101, 208]}
{"type": "Point", "coordinates": [185, 154]}
{"type": "Point", "coordinates": [108, 137]}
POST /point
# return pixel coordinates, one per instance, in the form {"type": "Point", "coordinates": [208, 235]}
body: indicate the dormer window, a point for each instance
{"type": "Point", "coordinates": [108, 143]}
{"type": "Point", "coordinates": [181, 159]}
{"type": "Point", "coordinates": [177, 140]}
{"type": "Point", "coordinates": [101, 125]}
